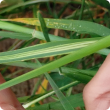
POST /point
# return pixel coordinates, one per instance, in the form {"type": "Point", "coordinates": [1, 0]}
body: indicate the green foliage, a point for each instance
{"type": "Point", "coordinates": [81, 36]}
{"type": "Point", "coordinates": [75, 100]}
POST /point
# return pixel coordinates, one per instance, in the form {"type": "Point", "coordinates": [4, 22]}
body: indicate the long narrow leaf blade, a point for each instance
{"type": "Point", "coordinates": [65, 103]}
{"type": "Point", "coordinates": [14, 35]}
{"type": "Point", "coordinates": [50, 93]}
{"type": "Point", "coordinates": [43, 26]}
{"type": "Point", "coordinates": [59, 94]}
{"type": "Point", "coordinates": [44, 50]}
{"type": "Point", "coordinates": [33, 32]}
{"type": "Point", "coordinates": [71, 25]}
{"type": "Point", "coordinates": [29, 3]}
{"type": "Point", "coordinates": [75, 100]}
{"type": "Point", "coordinates": [62, 61]}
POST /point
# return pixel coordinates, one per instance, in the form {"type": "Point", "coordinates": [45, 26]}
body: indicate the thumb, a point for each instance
{"type": "Point", "coordinates": [7, 107]}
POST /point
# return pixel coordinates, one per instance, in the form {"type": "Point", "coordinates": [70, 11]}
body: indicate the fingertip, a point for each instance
{"type": "Point", "coordinates": [7, 107]}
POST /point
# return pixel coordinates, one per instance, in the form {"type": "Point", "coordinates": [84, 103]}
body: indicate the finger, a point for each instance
{"type": "Point", "coordinates": [101, 82]}
{"type": "Point", "coordinates": [98, 88]}
{"type": "Point", "coordinates": [7, 107]}
{"type": "Point", "coordinates": [8, 97]}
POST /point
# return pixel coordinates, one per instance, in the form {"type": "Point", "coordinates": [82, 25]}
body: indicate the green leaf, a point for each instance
{"type": "Point", "coordinates": [75, 100]}
{"type": "Point", "coordinates": [71, 25]}
{"type": "Point", "coordinates": [45, 50]}
{"type": "Point", "coordinates": [56, 76]}
{"type": "Point", "coordinates": [32, 32]}
{"type": "Point", "coordinates": [59, 94]}
{"type": "Point", "coordinates": [67, 70]}
{"type": "Point", "coordinates": [104, 51]}
{"type": "Point", "coordinates": [29, 3]}
{"type": "Point", "coordinates": [43, 26]}
{"type": "Point", "coordinates": [14, 35]}
{"type": "Point", "coordinates": [5, 3]}
{"type": "Point", "coordinates": [49, 94]}
{"type": "Point", "coordinates": [60, 62]}
{"type": "Point", "coordinates": [60, 80]}
{"type": "Point", "coordinates": [79, 76]}
{"type": "Point", "coordinates": [64, 101]}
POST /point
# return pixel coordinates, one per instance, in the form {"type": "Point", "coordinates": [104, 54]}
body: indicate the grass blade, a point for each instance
{"type": "Point", "coordinates": [82, 9]}
{"type": "Point", "coordinates": [65, 103]}
{"type": "Point", "coordinates": [50, 93]}
{"type": "Point", "coordinates": [104, 51]}
{"type": "Point", "coordinates": [14, 35]}
{"type": "Point", "coordinates": [29, 3]}
{"type": "Point", "coordinates": [45, 50]}
{"type": "Point", "coordinates": [34, 33]}
{"type": "Point", "coordinates": [43, 26]}
{"type": "Point", "coordinates": [78, 76]}
{"type": "Point", "coordinates": [62, 61]}
{"type": "Point", "coordinates": [75, 100]}
{"type": "Point", "coordinates": [71, 25]}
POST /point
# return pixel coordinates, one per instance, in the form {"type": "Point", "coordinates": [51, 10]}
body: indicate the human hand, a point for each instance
{"type": "Point", "coordinates": [8, 100]}
{"type": "Point", "coordinates": [96, 94]}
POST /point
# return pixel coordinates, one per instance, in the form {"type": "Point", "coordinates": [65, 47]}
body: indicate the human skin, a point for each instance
{"type": "Point", "coordinates": [8, 100]}
{"type": "Point", "coordinates": [96, 94]}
